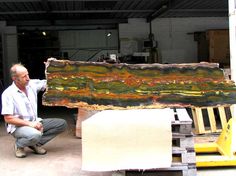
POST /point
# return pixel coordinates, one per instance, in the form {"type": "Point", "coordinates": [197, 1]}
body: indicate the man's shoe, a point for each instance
{"type": "Point", "coordinates": [19, 152]}
{"type": "Point", "coordinates": [38, 150]}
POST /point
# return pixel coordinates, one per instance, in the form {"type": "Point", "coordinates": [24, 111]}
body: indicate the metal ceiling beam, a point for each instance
{"type": "Point", "coordinates": [66, 28]}
{"type": "Point", "coordinates": [84, 0]}
{"type": "Point", "coordinates": [121, 8]}
{"type": "Point", "coordinates": [55, 0]}
{"type": "Point", "coordinates": [66, 22]}
{"type": "Point", "coordinates": [76, 11]}
{"type": "Point", "coordinates": [90, 21]}
{"type": "Point", "coordinates": [102, 11]}
{"type": "Point", "coordinates": [20, 1]}
{"type": "Point", "coordinates": [156, 13]}
{"type": "Point", "coordinates": [48, 9]}
{"type": "Point", "coordinates": [29, 23]}
{"type": "Point", "coordinates": [21, 12]}
{"type": "Point", "coordinates": [46, 6]}
{"type": "Point", "coordinates": [198, 10]}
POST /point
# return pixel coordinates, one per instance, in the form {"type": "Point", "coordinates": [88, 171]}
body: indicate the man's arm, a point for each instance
{"type": "Point", "coordinates": [17, 121]}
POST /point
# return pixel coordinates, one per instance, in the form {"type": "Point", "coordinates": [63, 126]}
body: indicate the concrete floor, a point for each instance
{"type": "Point", "coordinates": [64, 154]}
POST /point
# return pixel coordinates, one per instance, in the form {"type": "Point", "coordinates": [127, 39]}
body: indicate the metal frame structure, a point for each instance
{"type": "Point", "coordinates": [88, 12]}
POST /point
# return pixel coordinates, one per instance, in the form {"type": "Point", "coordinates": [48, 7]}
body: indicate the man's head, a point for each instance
{"type": "Point", "coordinates": [19, 75]}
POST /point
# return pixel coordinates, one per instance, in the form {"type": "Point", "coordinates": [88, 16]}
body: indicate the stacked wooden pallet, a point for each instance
{"type": "Point", "coordinates": [183, 154]}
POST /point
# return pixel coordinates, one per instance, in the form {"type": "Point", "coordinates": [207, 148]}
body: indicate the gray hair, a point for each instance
{"type": "Point", "coordinates": [13, 69]}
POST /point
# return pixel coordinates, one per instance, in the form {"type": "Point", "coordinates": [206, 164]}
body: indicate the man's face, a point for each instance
{"type": "Point", "coordinates": [22, 77]}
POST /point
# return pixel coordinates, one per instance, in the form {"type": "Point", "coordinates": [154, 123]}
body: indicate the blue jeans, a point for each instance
{"type": "Point", "coordinates": [28, 136]}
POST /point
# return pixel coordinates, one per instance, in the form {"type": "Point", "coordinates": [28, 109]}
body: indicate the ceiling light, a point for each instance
{"type": "Point", "coordinates": [108, 34]}
{"type": "Point", "coordinates": [44, 33]}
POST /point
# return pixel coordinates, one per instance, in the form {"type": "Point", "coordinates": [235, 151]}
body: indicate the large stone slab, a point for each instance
{"type": "Point", "coordinates": [95, 85]}
{"type": "Point", "coordinates": [127, 139]}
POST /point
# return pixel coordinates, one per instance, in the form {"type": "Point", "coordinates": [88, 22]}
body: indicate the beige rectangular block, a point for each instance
{"type": "Point", "coordinates": [127, 139]}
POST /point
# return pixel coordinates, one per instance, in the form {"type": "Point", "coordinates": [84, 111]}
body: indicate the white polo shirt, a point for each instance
{"type": "Point", "coordinates": [15, 102]}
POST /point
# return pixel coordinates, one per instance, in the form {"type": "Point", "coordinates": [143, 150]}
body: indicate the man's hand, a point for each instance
{"type": "Point", "coordinates": [36, 125]}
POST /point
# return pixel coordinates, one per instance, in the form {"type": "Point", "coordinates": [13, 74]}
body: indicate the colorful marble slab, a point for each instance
{"type": "Point", "coordinates": [98, 85]}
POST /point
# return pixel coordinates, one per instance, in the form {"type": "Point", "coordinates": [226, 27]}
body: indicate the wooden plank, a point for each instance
{"type": "Point", "coordinates": [198, 120]}
{"type": "Point", "coordinates": [185, 142]}
{"type": "Point", "coordinates": [232, 111]}
{"type": "Point", "coordinates": [122, 86]}
{"type": "Point", "coordinates": [183, 115]}
{"type": "Point", "coordinates": [222, 117]}
{"type": "Point", "coordinates": [212, 120]}
{"type": "Point", "coordinates": [214, 128]}
{"type": "Point", "coordinates": [182, 123]}
{"type": "Point", "coordinates": [175, 170]}
{"type": "Point", "coordinates": [188, 157]}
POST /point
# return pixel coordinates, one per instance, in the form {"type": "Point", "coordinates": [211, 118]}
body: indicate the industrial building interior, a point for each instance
{"type": "Point", "coordinates": [134, 31]}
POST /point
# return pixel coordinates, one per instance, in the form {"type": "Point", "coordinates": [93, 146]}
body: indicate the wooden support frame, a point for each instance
{"type": "Point", "coordinates": [199, 116]}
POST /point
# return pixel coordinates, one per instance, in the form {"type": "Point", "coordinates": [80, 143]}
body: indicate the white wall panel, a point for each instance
{"type": "Point", "coordinates": [134, 29]}
{"type": "Point", "coordinates": [174, 35]}
{"type": "Point", "coordinates": [91, 39]}
{"type": "Point", "coordinates": [132, 35]}
{"type": "Point", "coordinates": [67, 39]}
{"type": "Point", "coordinates": [83, 44]}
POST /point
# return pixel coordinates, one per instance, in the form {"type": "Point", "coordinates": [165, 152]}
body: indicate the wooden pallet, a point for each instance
{"type": "Point", "coordinates": [178, 171]}
{"type": "Point", "coordinates": [183, 164]}
{"type": "Point", "coordinates": [184, 157]}
{"type": "Point", "coordinates": [183, 154]}
{"type": "Point", "coordinates": [186, 142]}
{"type": "Point", "coordinates": [216, 117]}
{"type": "Point", "coordinates": [181, 123]}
